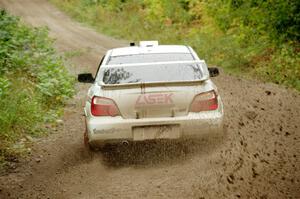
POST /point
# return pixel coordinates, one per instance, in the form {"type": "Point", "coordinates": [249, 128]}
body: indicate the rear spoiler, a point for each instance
{"type": "Point", "coordinates": [153, 84]}
{"type": "Point", "coordinates": [150, 84]}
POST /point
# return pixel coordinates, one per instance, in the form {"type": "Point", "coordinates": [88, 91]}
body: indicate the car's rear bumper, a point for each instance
{"type": "Point", "coordinates": [108, 129]}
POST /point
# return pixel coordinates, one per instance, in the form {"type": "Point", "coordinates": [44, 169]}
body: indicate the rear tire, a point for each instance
{"type": "Point", "coordinates": [86, 142]}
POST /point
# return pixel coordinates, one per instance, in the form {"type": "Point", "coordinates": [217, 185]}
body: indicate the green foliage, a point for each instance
{"type": "Point", "coordinates": [4, 86]}
{"type": "Point", "coordinates": [244, 36]}
{"type": "Point", "coordinates": [33, 82]}
{"type": "Point", "coordinates": [279, 19]}
{"type": "Point", "coordinates": [282, 67]}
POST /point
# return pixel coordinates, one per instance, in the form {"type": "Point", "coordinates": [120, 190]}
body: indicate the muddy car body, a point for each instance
{"type": "Point", "coordinates": [149, 92]}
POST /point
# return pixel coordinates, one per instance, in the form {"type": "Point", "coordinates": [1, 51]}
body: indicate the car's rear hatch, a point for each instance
{"type": "Point", "coordinates": [149, 91]}
{"type": "Point", "coordinates": [158, 101]}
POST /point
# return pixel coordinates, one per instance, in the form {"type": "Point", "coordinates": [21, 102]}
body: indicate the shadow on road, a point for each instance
{"type": "Point", "coordinates": [152, 153]}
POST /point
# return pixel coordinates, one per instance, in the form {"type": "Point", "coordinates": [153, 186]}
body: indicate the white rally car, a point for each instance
{"type": "Point", "coordinates": [149, 92]}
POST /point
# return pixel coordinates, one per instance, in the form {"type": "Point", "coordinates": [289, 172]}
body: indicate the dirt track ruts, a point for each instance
{"type": "Point", "coordinates": [258, 156]}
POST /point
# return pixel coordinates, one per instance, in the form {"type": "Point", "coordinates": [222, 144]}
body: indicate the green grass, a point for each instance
{"type": "Point", "coordinates": [34, 85]}
{"type": "Point", "coordinates": [237, 37]}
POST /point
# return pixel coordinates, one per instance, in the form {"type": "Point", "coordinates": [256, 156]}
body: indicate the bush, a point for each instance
{"type": "Point", "coordinates": [248, 37]}
{"type": "Point", "coordinates": [34, 83]}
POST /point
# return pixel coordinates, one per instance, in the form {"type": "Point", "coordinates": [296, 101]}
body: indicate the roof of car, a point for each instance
{"type": "Point", "coordinates": [132, 50]}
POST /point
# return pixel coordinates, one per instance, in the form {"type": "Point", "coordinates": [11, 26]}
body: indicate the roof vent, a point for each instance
{"type": "Point", "coordinates": [148, 43]}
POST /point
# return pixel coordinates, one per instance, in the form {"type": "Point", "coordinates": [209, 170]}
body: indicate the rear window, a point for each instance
{"type": "Point", "coordinates": [150, 58]}
{"type": "Point", "coordinates": [147, 73]}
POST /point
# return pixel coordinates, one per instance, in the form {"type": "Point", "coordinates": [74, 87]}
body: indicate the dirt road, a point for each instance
{"type": "Point", "coordinates": [258, 156]}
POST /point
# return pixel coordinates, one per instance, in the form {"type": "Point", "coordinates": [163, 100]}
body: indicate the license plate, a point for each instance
{"type": "Point", "coordinates": [156, 132]}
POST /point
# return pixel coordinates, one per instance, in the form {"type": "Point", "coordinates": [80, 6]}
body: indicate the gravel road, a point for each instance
{"type": "Point", "coordinates": [257, 157]}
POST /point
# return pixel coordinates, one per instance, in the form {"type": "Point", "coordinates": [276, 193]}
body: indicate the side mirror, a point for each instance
{"type": "Point", "coordinates": [213, 71]}
{"type": "Point", "coordinates": [86, 78]}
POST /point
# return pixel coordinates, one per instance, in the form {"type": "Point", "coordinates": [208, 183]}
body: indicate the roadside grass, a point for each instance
{"type": "Point", "coordinates": [34, 85]}
{"type": "Point", "coordinates": [243, 49]}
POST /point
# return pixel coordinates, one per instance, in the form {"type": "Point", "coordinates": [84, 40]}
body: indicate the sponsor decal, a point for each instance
{"type": "Point", "coordinates": [154, 99]}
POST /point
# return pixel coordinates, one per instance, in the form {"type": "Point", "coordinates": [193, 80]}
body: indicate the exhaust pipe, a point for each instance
{"type": "Point", "coordinates": [125, 143]}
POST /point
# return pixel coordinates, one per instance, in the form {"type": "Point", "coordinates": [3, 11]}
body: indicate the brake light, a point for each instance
{"type": "Point", "coordinates": [104, 107]}
{"type": "Point", "coordinates": [204, 102]}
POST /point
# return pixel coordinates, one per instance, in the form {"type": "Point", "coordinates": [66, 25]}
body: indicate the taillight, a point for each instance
{"type": "Point", "coordinates": [104, 107]}
{"type": "Point", "coordinates": [204, 102]}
